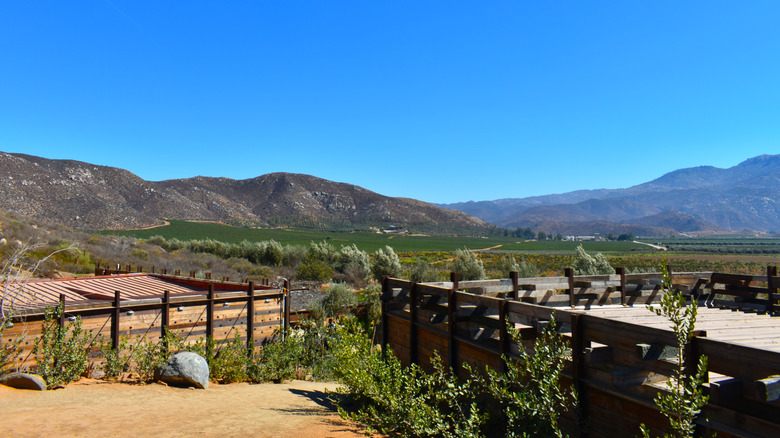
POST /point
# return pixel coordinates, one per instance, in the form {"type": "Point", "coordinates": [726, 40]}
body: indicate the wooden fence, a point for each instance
{"type": "Point", "coordinates": [616, 366]}
{"type": "Point", "coordinates": [254, 314]}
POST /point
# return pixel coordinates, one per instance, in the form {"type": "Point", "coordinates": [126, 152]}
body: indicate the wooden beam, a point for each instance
{"type": "Point", "coordinates": [768, 389]}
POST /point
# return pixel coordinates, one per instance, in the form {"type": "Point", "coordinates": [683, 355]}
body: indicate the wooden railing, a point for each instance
{"type": "Point", "coordinates": [616, 365]}
{"type": "Point", "coordinates": [253, 314]}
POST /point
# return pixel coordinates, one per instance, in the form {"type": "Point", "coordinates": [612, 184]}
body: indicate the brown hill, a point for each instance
{"type": "Point", "coordinates": [87, 196]}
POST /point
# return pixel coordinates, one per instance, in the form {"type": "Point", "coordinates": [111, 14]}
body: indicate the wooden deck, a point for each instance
{"type": "Point", "coordinates": [749, 329]}
{"type": "Point", "coordinates": [621, 354]}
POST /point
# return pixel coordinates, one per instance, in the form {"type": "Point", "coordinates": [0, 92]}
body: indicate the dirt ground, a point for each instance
{"type": "Point", "coordinates": [92, 408]}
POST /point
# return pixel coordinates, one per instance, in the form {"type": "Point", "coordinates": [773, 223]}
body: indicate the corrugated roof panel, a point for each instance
{"type": "Point", "coordinates": [37, 293]}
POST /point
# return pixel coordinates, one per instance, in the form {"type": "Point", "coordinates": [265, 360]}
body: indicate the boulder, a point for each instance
{"type": "Point", "coordinates": [184, 369]}
{"type": "Point", "coordinates": [24, 381]}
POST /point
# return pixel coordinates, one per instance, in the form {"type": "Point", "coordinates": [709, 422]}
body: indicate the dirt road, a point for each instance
{"type": "Point", "coordinates": [98, 409]}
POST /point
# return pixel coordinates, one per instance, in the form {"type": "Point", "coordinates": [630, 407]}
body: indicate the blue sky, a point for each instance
{"type": "Point", "coordinates": [442, 101]}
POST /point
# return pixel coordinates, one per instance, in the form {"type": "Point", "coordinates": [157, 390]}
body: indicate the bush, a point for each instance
{"type": "Point", "coordinates": [61, 352]}
{"type": "Point", "coordinates": [530, 394]}
{"type": "Point", "coordinates": [467, 265]}
{"type": "Point", "coordinates": [585, 264]}
{"type": "Point", "coordinates": [9, 350]}
{"type": "Point", "coordinates": [386, 262]}
{"type": "Point", "coordinates": [422, 271]}
{"type": "Point", "coordinates": [115, 361]}
{"type": "Point", "coordinates": [403, 400]}
{"type": "Point", "coordinates": [314, 270]}
{"type": "Point", "coordinates": [148, 354]}
{"type": "Point", "coordinates": [354, 261]}
{"type": "Point", "coordinates": [338, 300]}
{"type": "Point", "coordinates": [228, 362]}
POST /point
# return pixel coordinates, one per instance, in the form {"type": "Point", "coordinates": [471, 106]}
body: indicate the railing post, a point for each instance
{"type": "Point", "coordinates": [503, 333]}
{"type": "Point", "coordinates": [413, 322]}
{"type": "Point", "coordinates": [514, 276]}
{"type": "Point", "coordinates": [692, 354]}
{"type": "Point", "coordinates": [210, 322]}
{"type": "Point", "coordinates": [578, 370]}
{"type": "Point", "coordinates": [386, 294]}
{"type": "Point", "coordinates": [569, 273]}
{"type": "Point", "coordinates": [286, 304]}
{"type": "Point", "coordinates": [622, 273]}
{"type": "Point", "coordinates": [166, 313]}
{"type": "Point", "coordinates": [115, 321]}
{"type": "Point", "coordinates": [452, 309]}
{"type": "Point", "coordinates": [771, 273]}
{"type": "Point", "coordinates": [250, 319]}
{"type": "Point", "coordinates": [210, 312]}
{"type": "Point", "coordinates": [62, 311]}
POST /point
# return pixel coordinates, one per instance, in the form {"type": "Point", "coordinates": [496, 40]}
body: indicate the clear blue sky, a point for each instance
{"type": "Point", "coordinates": [442, 101]}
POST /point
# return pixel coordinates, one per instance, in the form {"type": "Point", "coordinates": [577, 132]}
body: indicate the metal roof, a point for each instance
{"type": "Point", "coordinates": [46, 292]}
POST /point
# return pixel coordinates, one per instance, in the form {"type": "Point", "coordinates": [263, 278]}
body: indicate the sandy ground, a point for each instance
{"type": "Point", "coordinates": [97, 409]}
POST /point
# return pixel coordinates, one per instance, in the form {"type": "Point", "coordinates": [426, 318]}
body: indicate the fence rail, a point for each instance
{"type": "Point", "coordinates": [253, 313]}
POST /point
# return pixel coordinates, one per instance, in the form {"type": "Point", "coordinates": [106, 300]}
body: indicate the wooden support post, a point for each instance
{"type": "Point", "coordinates": [771, 273]}
{"type": "Point", "coordinates": [286, 304]}
{"type": "Point", "coordinates": [250, 319]}
{"type": "Point", "coordinates": [166, 313]}
{"type": "Point", "coordinates": [578, 371]}
{"type": "Point", "coordinates": [210, 312]}
{"type": "Point", "coordinates": [140, 268]}
{"type": "Point", "coordinates": [503, 333]}
{"type": "Point", "coordinates": [152, 269]}
{"type": "Point", "coordinates": [622, 273]}
{"type": "Point", "coordinates": [692, 354]}
{"type": "Point", "coordinates": [452, 309]}
{"type": "Point", "coordinates": [386, 296]}
{"type": "Point", "coordinates": [569, 273]}
{"type": "Point", "coordinates": [115, 321]}
{"type": "Point", "coordinates": [514, 276]}
{"type": "Point", "coordinates": [413, 356]}
{"type": "Point", "coordinates": [62, 310]}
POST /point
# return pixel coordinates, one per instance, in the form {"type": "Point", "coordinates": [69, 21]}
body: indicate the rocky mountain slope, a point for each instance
{"type": "Point", "coordinates": [743, 197]}
{"type": "Point", "coordinates": [87, 196]}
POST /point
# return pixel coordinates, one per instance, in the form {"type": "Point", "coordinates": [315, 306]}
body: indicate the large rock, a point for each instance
{"type": "Point", "coordinates": [184, 369]}
{"type": "Point", "coordinates": [24, 381]}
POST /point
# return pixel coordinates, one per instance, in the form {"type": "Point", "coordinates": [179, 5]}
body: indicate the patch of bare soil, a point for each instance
{"type": "Point", "coordinates": [98, 409]}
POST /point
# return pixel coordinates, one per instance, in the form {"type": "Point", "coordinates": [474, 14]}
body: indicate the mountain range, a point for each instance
{"type": "Point", "coordinates": [702, 200]}
{"type": "Point", "coordinates": [87, 196]}
{"type": "Point", "coordinates": [745, 197]}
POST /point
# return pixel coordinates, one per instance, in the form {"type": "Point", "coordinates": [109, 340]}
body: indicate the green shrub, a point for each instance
{"type": "Point", "coordinates": [115, 361]}
{"type": "Point", "coordinates": [149, 354]}
{"type": "Point", "coordinates": [530, 394]}
{"type": "Point", "coordinates": [9, 350]}
{"type": "Point", "coordinates": [467, 265]}
{"type": "Point", "coordinates": [314, 270]}
{"type": "Point", "coordinates": [280, 359]}
{"type": "Point", "coordinates": [338, 300]}
{"type": "Point", "coordinates": [61, 352]}
{"type": "Point", "coordinates": [386, 262]}
{"type": "Point", "coordinates": [405, 401]}
{"type": "Point", "coordinates": [354, 261]}
{"type": "Point", "coordinates": [229, 363]}
{"type": "Point", "coordinates": [585, 264]}
{"type": "Point", "coordinates": [422, 271]}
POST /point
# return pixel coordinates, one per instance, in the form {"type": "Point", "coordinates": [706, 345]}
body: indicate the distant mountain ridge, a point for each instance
{"type": "Point", "coordinates": [87, 196]}
{"type": "Point", "coordinates": [705, 198]}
